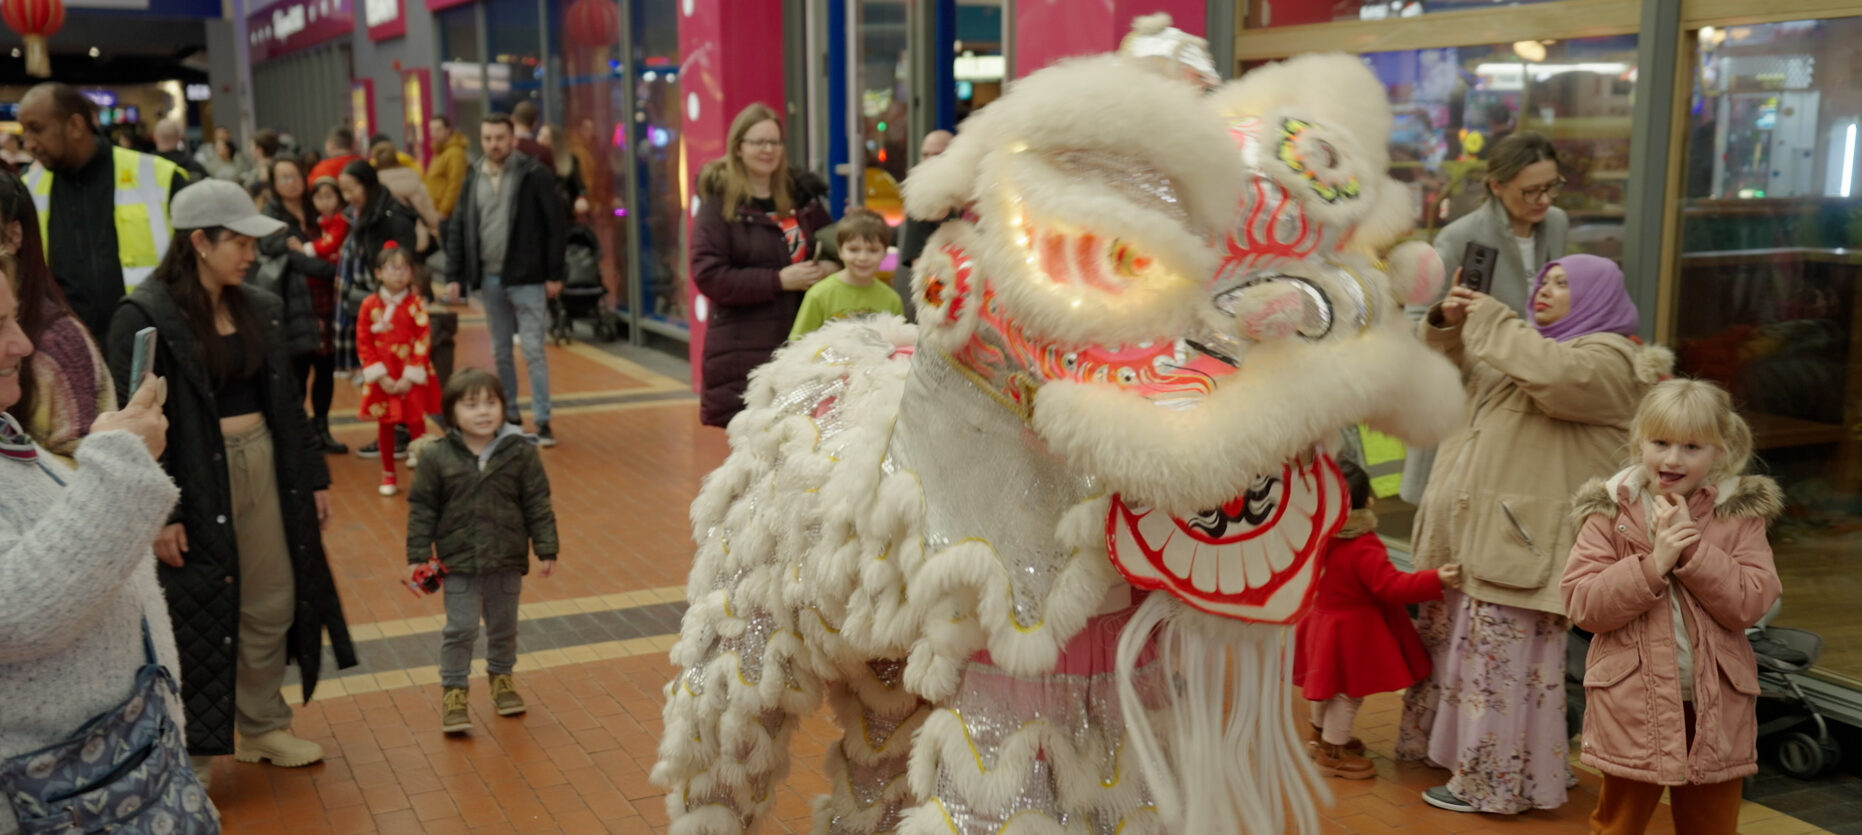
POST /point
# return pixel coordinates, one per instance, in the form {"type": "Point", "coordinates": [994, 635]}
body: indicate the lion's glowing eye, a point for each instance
{"type": "Point", "coordinates": [1070, 361]}
{"type": "Point", "coordinates": [1127, 377]}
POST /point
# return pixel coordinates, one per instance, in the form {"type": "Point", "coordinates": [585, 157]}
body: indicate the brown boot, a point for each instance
{"type": "Point", "coordinates": [1335, 761]}
{"type": "Point", "coordinates": [1355, 746]}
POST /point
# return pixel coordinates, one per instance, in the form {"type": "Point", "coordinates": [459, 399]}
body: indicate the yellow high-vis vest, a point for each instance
{"type": "Point", "coordinates": [142, 229]}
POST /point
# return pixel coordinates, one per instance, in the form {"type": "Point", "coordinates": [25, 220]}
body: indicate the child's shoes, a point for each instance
{"type": "Point", "coordinates": [1336, 761]}
{"type": "Point", "coordinates": [455, 715]}
{"type": "Point", "coordinates": [504, 695]}
{"type": "Point", "coordinates": [387, 487]}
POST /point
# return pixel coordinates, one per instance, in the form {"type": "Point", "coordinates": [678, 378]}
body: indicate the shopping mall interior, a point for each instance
{"type": "Point", "coordinates": [1710, 147]}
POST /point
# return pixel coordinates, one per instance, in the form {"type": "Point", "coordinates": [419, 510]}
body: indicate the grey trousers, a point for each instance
{"type": "Point", "coordinates": [267, 595]}
{"type": "Point", "coordinates": [470, 597]}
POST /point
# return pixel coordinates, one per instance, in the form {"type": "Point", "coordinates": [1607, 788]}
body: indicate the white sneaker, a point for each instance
{"type": "Point", "coordinates": [279, 747]}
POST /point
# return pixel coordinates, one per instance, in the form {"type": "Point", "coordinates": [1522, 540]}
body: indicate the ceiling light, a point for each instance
{"type": "Point", "coordinates": [1532, 51]}
{"type": "Point", "coordinates": [95, 52]}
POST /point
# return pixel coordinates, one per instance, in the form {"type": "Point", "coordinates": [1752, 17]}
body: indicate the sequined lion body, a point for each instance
{"type": "Point", "coordinates": [1014, 546]}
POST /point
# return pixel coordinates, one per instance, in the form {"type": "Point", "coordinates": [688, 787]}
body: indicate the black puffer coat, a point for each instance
{"type": "Point", "coordinates": [302, 335]}
{"type": "Point", "coordinates": [203, 594]}
{"type": "Point", "coordinates": [737, 264]}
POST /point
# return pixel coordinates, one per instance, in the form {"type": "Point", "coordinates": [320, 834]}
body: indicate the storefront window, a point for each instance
{"type": "Point", "coordinates": [513, 31]}
{"type": "Point", "coordinates": [585, 46]}
{"type": "Point", "coordinates": [1266, 13]}
{"type": "Point", "coordinates": [1766, 302]}
{"type": "Point", "coordinates": [460, 70]}
{"type": "Point", "coordinates": [1452, 104]}
{"type": "Point", "coordinates": [660, 160]}
{"type": "Point", "coordinates": [885, 94]}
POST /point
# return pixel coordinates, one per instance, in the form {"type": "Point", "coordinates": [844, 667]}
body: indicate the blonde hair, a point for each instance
{"type": "Point", "coordinates": [1694, 410]}
{"type": "Point", "coordinates": [726, 179]}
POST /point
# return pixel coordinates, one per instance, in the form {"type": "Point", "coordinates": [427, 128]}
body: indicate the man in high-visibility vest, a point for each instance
{"type": "Point", "coordinates": [103, 210]}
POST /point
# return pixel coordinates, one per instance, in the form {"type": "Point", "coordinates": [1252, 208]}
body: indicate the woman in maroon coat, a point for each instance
{"type": "Point", "coordinates": [753, 256]}
{"type": "Point", "coordinates": [1358, 640]}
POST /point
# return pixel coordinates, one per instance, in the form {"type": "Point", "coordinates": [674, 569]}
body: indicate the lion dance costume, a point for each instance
{"type": "Point", "coordinates": [1039, 552]}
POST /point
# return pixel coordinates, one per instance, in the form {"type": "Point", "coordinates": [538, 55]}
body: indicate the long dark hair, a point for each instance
{"type": "Point", "coordinates": [180, 273]}
{"type": "Point", "coordinates": [372, 208]}
{"type": "Point", "coordinates": [41, 302]}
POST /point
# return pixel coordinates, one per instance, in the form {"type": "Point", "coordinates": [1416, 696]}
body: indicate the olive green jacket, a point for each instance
{"type": "Point", "coordinates": [480, 519]}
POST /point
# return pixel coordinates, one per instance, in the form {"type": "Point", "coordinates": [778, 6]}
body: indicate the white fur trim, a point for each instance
{"type": "Point", "coordinates": [1186, 461]}
{"type": "Point", "coordinates": [1063, 108]}
{"type": "Point", "coordinates": [375, 372]}
{"type": "Point", "coordinates": [414, 374]}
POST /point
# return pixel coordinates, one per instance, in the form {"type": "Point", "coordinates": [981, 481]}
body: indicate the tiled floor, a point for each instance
{"type": "Point", "coordinates": [594, 640]}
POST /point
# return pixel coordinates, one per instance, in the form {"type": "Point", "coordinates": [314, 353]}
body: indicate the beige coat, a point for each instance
{"type": "Point", "coordinates": [1543, 418]}
{"type": "Point", "coordinates": [406, 186]}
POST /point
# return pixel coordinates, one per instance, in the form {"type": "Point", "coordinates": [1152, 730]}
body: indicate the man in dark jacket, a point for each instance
{"type": "Point", "coordinates": [506, 238]}
{"type": "Point", "coordinates": [104, 210]}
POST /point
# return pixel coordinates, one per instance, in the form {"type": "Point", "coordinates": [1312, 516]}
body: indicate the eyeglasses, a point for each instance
{"type": "Point", "coordinates": [763, 144]}
{"type": "Point", "coordinates": [1547, 192]}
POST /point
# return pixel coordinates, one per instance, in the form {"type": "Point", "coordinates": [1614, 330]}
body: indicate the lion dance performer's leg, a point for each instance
{"type": "Point", "coordinates": [878, 718]}
{"type": "Point", "coordinates": [728, 717]}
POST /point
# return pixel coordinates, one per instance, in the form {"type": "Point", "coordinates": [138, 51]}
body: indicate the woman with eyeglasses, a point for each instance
{"type": "Point", "coordinates": [1518, 217]}
{"type": "Point", "coordinates": [753, 255]}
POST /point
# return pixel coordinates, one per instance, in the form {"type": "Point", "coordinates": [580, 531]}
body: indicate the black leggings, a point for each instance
{"type": "Point", "coordinates": [325, 386]}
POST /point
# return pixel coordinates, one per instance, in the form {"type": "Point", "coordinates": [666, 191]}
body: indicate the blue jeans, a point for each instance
{"type": "Point", "coordinates": [524, 311]}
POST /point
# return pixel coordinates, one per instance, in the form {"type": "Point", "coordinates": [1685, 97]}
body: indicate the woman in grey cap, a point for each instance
{"type": "Point", "coordinates": [241, 560]}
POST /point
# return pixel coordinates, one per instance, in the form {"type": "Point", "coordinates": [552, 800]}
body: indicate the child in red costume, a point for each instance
{"type": "Point", "coordinates": [1358, 640]}
{"type": "Point", "coordinates": [327, 198]}
{"type": "Point", "coordinates": [391, 341]}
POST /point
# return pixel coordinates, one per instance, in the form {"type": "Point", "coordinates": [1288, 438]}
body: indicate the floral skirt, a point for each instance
{"type": "Point", "coordinates": [1493, 709]}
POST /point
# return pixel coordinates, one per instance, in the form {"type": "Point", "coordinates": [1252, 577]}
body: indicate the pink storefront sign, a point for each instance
{"type": "Point", "coordinates": [292, 25]}
{"type": "Point", "coordinates": [385, 19]}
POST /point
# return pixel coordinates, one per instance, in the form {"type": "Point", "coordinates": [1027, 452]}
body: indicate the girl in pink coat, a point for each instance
{"type": "Point", "coordinates": [1670, 568]}
{"type": "Point", "coordinates": [1358, 640]}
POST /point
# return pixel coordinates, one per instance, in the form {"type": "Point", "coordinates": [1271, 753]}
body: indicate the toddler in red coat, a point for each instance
{"type": "Point", "coordinates": [1358, 640]}
{"type": "Point", "coordinates": [392, 340]}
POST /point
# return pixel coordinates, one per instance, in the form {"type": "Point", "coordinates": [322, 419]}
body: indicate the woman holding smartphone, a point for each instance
{"type": "Point", "coordinates": [753, 256]}
{"type": "Point", "coordinates": [241, 560]}
{"type": "Point", "coordinates": [1517, 219]}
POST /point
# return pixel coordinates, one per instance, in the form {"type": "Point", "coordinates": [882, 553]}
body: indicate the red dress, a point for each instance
{"type": "Point", "coordinates": [1358, 640]}
{"type": "Point", "coordinates": [391, 341]}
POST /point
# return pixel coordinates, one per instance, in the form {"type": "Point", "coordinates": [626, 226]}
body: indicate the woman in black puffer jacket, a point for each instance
{"type": "Point", "coordinates": [307, 284]}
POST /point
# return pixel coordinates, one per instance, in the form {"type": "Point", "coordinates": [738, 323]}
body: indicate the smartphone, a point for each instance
{"type": "Point", "coordinates": [818, 247]}
{"type": "Point", "coordinates": [1477, 263]}
{"type": "Point", "coordinates": [142, 362]}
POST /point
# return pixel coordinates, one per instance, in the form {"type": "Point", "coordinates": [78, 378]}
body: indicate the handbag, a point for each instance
{"type": "Point", "coordinates": [124, 771]}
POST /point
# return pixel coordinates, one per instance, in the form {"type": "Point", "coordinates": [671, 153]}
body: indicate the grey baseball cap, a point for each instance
{"type": "Point", "coordinates": [211, 203]}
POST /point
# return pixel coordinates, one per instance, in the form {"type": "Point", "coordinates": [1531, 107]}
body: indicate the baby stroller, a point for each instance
{"type": "Point", "coordinates": [582, 291]}
{"type": "Point", "coordinates": [1803, 746]}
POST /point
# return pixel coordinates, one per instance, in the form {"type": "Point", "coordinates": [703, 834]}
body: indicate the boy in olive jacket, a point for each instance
{"type": "Point", "coordinates": [480, 502]}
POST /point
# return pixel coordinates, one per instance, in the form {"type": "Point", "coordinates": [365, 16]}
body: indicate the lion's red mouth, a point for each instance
{"type": "Point", "coordinates": [1255, 558]}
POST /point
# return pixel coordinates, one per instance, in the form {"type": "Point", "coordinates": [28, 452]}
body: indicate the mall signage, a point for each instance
{"type": "Point", "coordinates": [384, 19]}
{"type": "Point", "coordinates": [292, 25]}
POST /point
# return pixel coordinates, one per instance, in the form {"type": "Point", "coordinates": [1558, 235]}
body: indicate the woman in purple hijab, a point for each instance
{"type": "Point", "coordinates": [1582, 294]}
{"type": "Point", "coordinates": [1549, 404]}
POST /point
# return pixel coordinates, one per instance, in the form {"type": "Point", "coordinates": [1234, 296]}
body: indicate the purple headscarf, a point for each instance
{"type": "Point", "coordinates": [1599, 301]}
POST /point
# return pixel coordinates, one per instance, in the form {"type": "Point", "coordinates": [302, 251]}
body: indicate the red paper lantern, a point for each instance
{"type": "Point", "coordinates": [35, 20]}
{"type": "Point", "coordinates": [595, 24]}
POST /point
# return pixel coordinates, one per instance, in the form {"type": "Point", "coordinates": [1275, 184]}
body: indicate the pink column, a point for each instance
{"type": "Point", "coordinates": [731, 57]}
{"type": "Point", "coordinates": [1049, 30]}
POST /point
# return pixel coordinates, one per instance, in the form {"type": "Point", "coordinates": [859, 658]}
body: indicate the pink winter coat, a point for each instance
{"type": "Point", "coordinates": [1633, 723]}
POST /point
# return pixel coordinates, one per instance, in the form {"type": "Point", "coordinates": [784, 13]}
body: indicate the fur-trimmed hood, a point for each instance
{"type": "Point", "coordinates": [1733, 498]}
{"type": "Point", "coordinates": [1654, 363]}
